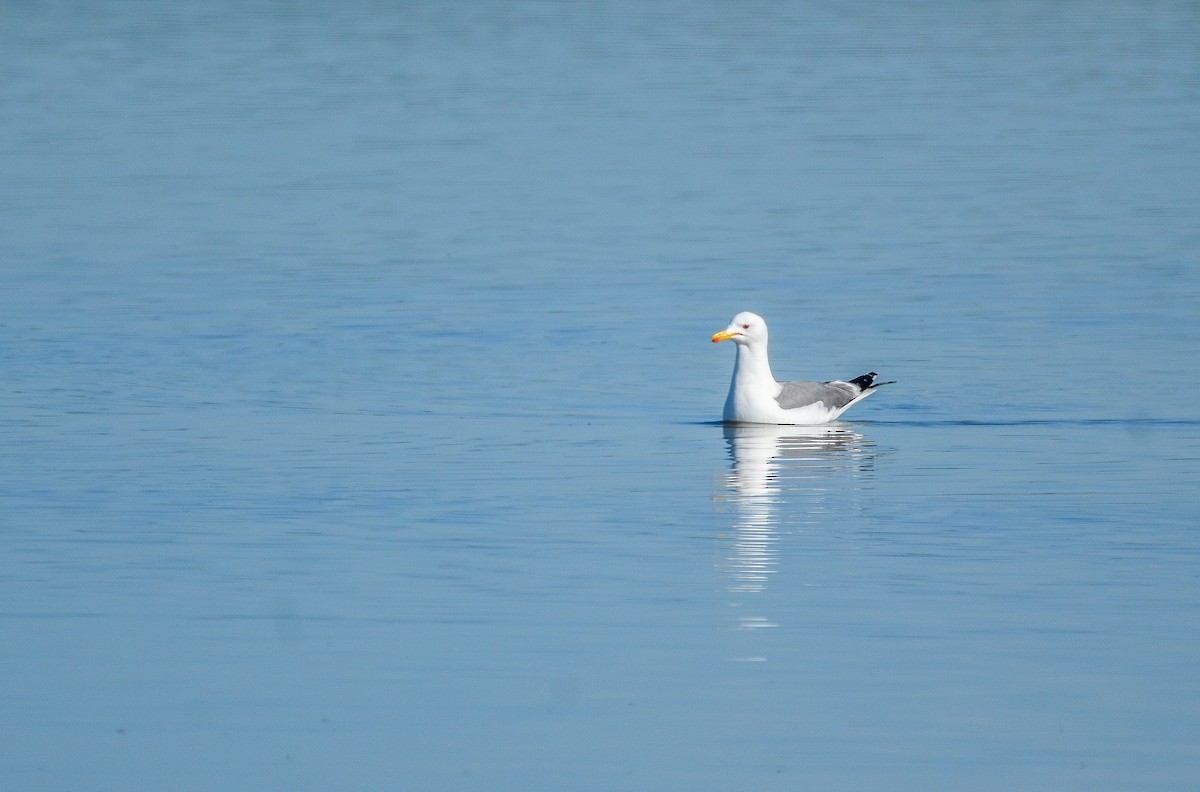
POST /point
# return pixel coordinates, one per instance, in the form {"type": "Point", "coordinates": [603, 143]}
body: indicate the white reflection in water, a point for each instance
{"type": "Point", "coordinates": [781, 478]}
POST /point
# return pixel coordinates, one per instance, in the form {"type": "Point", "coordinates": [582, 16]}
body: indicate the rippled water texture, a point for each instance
{"type": "Point", "coordinates": [359, 426]}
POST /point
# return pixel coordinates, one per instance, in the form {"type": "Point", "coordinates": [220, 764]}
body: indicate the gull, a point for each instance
{"type": "Point", "coordinates": [755, 396]}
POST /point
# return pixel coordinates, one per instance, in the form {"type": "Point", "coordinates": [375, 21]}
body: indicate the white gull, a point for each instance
{"type": "Point", "coordinates": [755, 396]}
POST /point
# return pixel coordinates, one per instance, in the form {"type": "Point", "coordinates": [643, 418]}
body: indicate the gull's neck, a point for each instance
{"type": "Point", "coordinates": [752, 369]}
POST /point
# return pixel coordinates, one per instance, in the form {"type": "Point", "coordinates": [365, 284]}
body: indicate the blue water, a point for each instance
{"type": "Point", "coordinates": [359, 424]}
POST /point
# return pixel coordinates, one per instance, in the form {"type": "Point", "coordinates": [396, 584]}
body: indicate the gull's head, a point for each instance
{"type": "Point", "coordinates": [745, 328]}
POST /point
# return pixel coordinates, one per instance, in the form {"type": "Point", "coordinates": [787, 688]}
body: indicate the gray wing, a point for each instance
{"type": "Point", "coordinates": [832, 394]}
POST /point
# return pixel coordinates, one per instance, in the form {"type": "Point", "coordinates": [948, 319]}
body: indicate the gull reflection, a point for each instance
{"type": "Point", "coordinates": [780, 478]}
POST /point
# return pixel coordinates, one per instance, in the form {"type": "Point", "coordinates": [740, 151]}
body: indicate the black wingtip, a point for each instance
{"type": "Point", "coordinates": [867, 381]}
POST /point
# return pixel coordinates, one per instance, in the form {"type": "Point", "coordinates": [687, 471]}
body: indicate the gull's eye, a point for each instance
{"type": "Point", "coordinates": [745, 327]}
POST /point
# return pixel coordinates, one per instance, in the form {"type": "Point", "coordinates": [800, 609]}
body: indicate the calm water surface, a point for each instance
{"type": "Point", "coordinates": [357, 421]}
